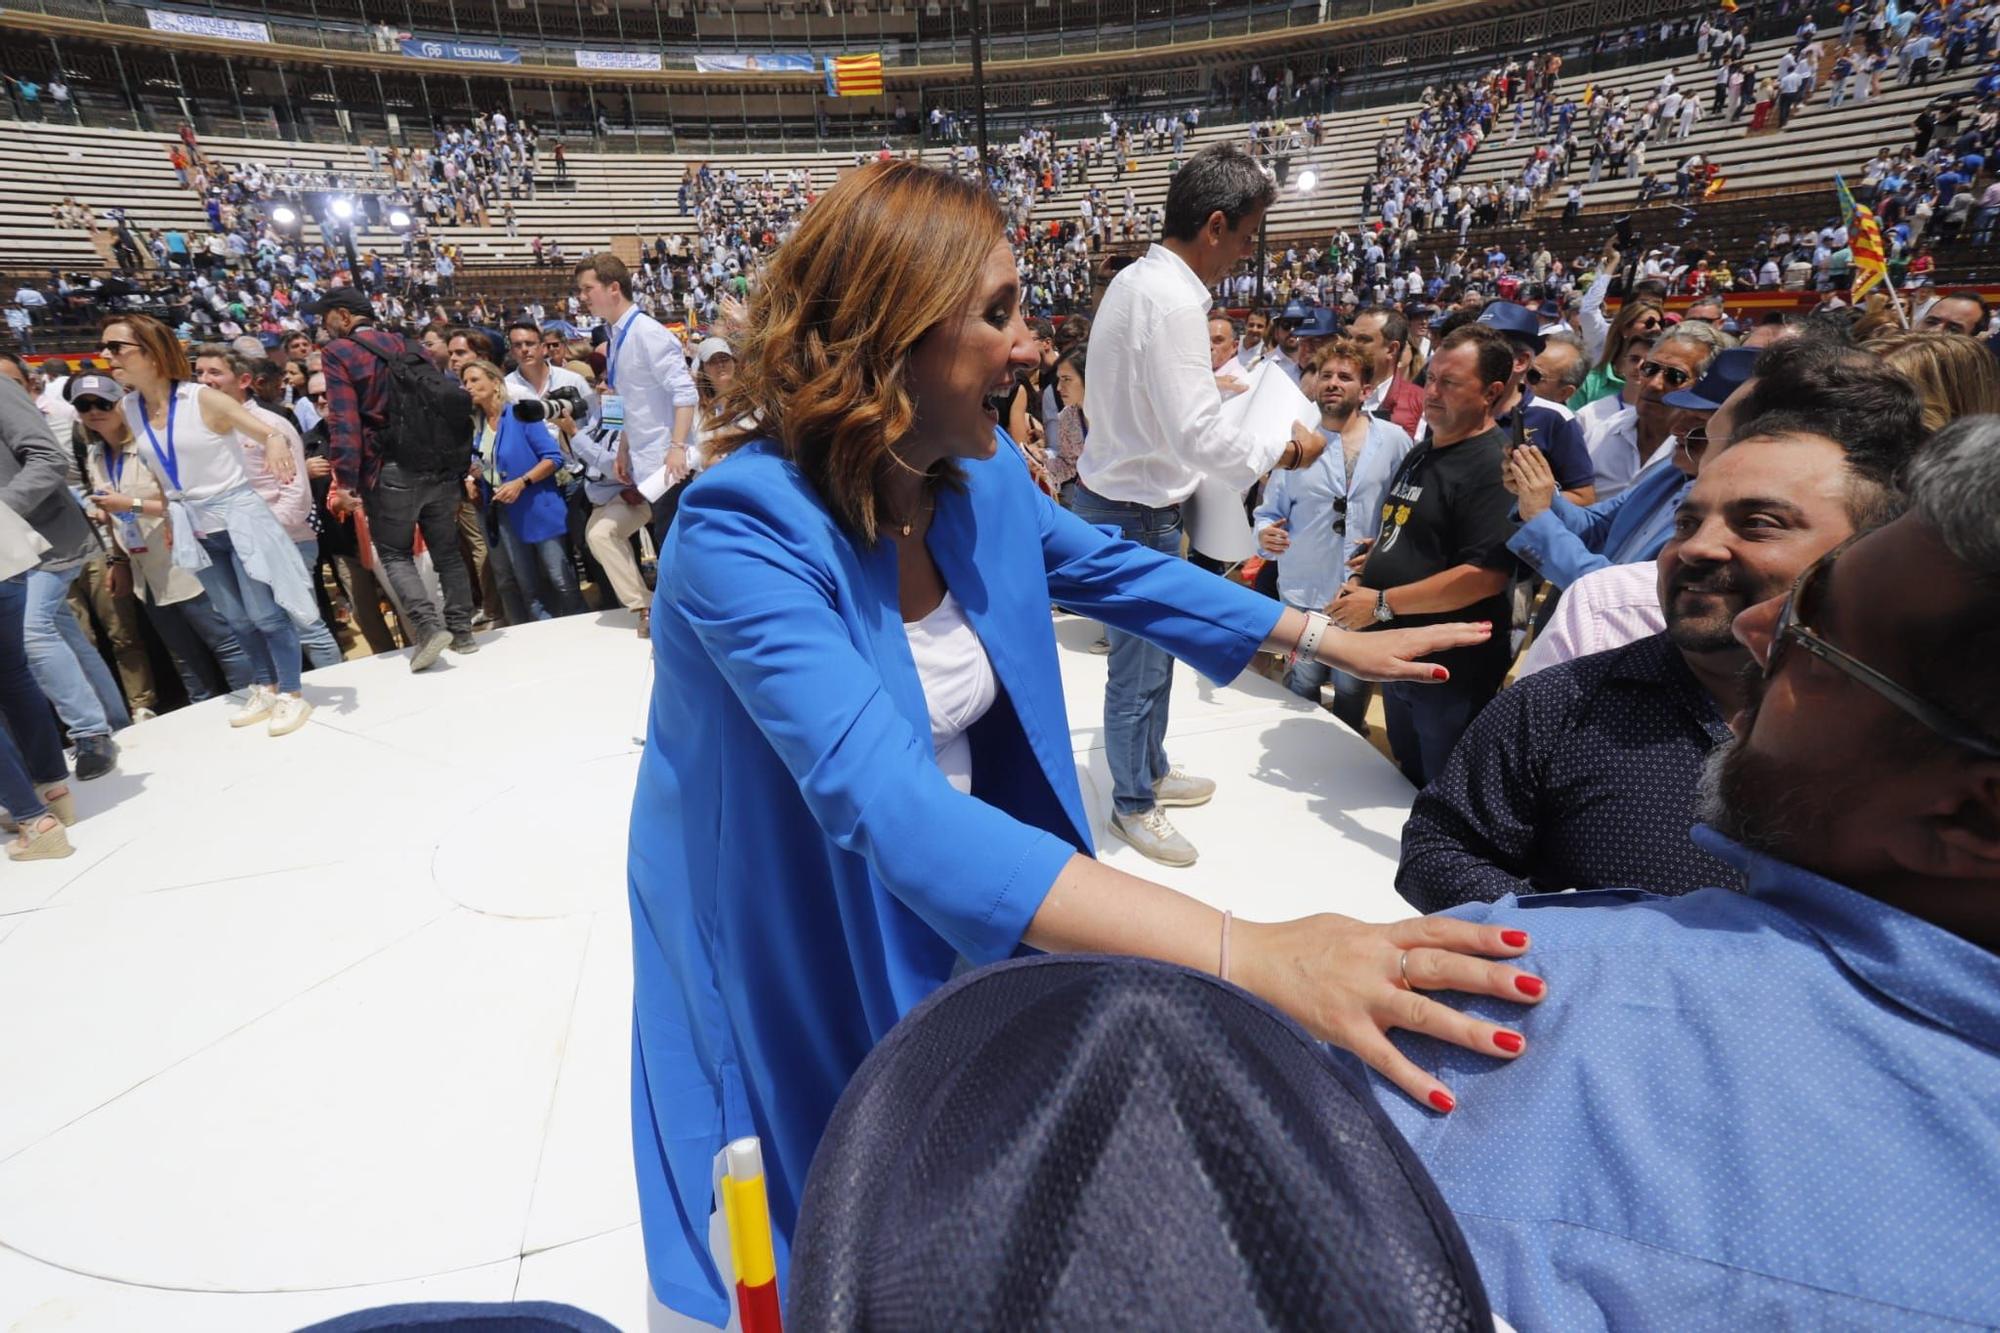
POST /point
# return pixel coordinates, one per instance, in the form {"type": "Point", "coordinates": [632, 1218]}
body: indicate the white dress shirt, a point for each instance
{"type": "Point", "coordinates": [1611, 435]}
{"type": "Point", "coordinates": [650, 377]}
{"type": "Point", "coordinates": [1155, 420]}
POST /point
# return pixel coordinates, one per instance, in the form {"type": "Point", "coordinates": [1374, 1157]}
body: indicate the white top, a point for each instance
{"type": "Point", "coordinates": [646, 368]}
{"type": "Point", "coordinates": [958, 682]}
{"type": "Point", "coordinates": [209, 463]}
{"type": "Point", "coordinates": [1156, 428]}
{"type": "Point", "coordinates": [1611, 435]}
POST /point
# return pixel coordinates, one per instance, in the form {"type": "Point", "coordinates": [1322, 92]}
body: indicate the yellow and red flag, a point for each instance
{"type": "Point", "coordinates": [747, 1211]}
{"type": "Point", "coordinates": [854, 76]}
{"type": "Point", "coordinates": [1864, 239]}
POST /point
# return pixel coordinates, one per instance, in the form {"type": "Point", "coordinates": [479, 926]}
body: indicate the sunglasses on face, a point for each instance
{"type": "Point", "coordinates": [92, 405]}
{"type": "Point", "coordinates": [116, 346]}
{"type": "Point", "coordinates": [317, 397]}
{"type": "Point", "coordinates": [1673, 375]}
{"type": "Point", "coordinates": [1791, 629]}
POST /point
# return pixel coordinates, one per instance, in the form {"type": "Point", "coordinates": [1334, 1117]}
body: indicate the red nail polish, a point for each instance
{"type": "Point", "coordinates": [1439, 673]}
{"type": "Point", "coordinates": [1528, 985]}
{"type": "Point", "coordinates": [1509, 1042]}
{"type": "Point", "coordinates": [1514, 939]}
{"type": "Point", "coordinates": [1442, 1100]}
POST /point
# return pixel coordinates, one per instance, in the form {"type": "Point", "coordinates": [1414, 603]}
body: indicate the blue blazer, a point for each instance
{"type": "Point", "coordinates": [801, 873]}
{"type": "Point", "coordinates": [541, 512]}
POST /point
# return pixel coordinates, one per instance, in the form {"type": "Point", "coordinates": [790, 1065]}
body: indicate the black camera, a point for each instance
{"type": "Point", "coordinates": [565, 402]}
{"type": "Point", "coordinates": [531, 409]}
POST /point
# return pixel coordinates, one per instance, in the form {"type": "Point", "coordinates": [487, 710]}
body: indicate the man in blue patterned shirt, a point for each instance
{"type": "Point", "coordinates": [1778, 1108]}
{"type": "Point", "coordinates": [1583, 776]}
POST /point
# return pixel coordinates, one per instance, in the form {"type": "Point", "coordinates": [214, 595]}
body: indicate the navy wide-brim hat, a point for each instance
{"type": "Point", "coordinates": [1085, 1143]}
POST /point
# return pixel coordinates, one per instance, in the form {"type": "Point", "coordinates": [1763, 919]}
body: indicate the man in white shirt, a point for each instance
{"type": "Point", "coordinates": [644, 421]}
{"type": "Point", "coordinates": [1156, 431]}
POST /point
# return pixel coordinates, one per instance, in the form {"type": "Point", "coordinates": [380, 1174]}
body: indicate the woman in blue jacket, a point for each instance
{"type": "Point", "coordinates": [858, 771]}
{"type": "Point", "coordinates": [516, 459]}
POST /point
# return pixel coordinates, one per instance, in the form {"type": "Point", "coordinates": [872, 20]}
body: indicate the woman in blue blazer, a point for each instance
{"type": "Point", "coordinates": [842, 578]}
{"type": "Point", "coordinates": [516, 460]}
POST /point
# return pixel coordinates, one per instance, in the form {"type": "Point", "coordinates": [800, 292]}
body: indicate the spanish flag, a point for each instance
{"type": "Point", "coordinates": [854, 76]}
{"type": "Point", "coordinates": [746, 1210]}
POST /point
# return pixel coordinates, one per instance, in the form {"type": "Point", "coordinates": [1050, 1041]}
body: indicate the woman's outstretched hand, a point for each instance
{"type": "Point", "coordinates": [1350, 982]}
{"type": "Point", "coordinates": [1398, 654]}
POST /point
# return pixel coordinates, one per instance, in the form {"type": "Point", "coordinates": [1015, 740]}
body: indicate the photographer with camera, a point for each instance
{"type": "Point", "coordinates": [515, 457]}
{"type": "Point", "coordinates": [566, 394]}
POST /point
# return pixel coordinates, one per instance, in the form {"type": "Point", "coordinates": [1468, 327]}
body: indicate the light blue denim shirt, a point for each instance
{"type": "Point", "coordinates": [1313, 568]}
{"type": "Point", "coordinates": [1774, 1109]}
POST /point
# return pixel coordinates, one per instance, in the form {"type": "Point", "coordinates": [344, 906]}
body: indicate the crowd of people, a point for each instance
{"type": "Point", "coordinates": [242, 516]}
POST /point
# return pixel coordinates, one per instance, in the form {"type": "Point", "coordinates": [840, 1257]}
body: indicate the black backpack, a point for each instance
{"type": "Point", "coordinates": [429, 425]}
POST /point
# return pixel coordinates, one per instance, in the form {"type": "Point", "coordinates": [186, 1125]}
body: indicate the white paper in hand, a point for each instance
{"type": "Point", "coordinates": [1217, 526]}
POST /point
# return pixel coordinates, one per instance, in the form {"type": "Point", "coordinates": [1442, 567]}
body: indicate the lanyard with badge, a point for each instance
{"type": "Point", "coordinates": [129, 535]}
{"type": "Point", "coordinates": [611, 408]}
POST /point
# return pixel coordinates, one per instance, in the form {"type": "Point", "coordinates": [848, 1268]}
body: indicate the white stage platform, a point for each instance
{"type": "Point", "coordinates": [342, 1019]}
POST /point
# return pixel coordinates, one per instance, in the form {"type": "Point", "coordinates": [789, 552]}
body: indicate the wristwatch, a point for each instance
{"type": "Point", "coordinates": [1383, 615]}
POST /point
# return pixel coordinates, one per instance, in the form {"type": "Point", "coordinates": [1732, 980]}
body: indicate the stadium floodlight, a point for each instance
{"type": "Point", "coordinates": [1307, 179]}
{"type": "Point", "coordinates": [283, 216]}
{"type": "Point", "coordinates": [398, 218]}
{"type": "Point", "coordinates": [343, 209]}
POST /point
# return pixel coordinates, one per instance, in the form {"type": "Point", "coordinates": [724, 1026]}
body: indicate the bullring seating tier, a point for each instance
{"type": "Point", "coordinates": [623, 194]}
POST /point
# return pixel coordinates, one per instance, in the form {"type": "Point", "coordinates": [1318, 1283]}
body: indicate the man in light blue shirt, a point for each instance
{"type": "Point", "coordinates": [1779, 1108]}
{"type": "Point", "coordinates": [643, 423]}
{"type": "Point", "coordinates": [1318, 518]}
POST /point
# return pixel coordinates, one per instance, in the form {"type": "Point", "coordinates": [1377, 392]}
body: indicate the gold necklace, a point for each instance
{"type": "Point", "coordinates": [905, 528]}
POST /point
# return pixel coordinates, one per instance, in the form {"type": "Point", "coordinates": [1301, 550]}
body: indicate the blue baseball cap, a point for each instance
{"type": "Point", "coordinates": [1515, 321]}
{"type": "Point", "coordinates": [1725, 376]}
{"type": "Point", "coordinates": [1319, 322]}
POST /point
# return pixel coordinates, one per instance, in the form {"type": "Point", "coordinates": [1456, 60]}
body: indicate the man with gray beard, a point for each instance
{"type": "Point", "coordinates": [1777, 1107]}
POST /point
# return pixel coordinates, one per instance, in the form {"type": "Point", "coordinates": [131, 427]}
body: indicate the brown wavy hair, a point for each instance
{"type": "Point", "coordinates": [889, 253]}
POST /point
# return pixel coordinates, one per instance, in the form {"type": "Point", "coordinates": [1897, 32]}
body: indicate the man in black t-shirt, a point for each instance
{"type": "Point", "coordinates": [1442, 555]}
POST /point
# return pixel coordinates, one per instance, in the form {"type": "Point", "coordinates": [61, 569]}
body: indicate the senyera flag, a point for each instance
{"type": "Point", "coordinates": [854, 76]}
{"type": "Point", "coordinates": [1864, 239]}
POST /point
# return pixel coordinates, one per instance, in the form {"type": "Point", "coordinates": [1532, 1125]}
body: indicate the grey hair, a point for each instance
{"type": "Point", "coordinates": [1711, 340]}
{"type": "Point", "coordinates": [1954, 484]}
{"type": "Point", "coordinates": [1221, 178]}
{"type": "Point", "coordinates": [1566, 338]}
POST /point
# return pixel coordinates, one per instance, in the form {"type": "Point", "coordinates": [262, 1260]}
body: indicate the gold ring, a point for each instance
{"type": "Point", "coordinates": [1403, 967]}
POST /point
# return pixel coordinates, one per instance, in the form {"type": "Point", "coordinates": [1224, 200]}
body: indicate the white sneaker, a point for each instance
{"type": "Point", "coordinates": [1180, 787]}
{"type": "Point", "coordinates": [1154, 837]}
{"type": "Point", "coordinates": [257, 705]}
{"type": "Point", "coordinates": [288, 714]}
{"type": "Point", "coordinates": [142, 715]}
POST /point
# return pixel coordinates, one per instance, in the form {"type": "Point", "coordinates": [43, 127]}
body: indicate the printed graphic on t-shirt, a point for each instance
{"type": "Point", "coordinates": [1396, 512]}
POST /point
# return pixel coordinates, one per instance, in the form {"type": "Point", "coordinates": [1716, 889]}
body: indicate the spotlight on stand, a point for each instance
{"type": "Point", "coordinates": [398, 218]}
{"type": "Point", "coordinates": [343, 209]}
{"type": "Point", "coordinates": [283, 216]}
{"type": "Point", "coordinates": [1307, 180]}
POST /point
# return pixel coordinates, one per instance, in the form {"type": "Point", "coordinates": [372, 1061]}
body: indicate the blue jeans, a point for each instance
{"type": "Point", "coordinates": [1141, 675]}
{"type": "Point", "coordinates": [316, 638]}
{"type": "Point", "coordinates": [193, 632]}
{"type": "Point", "coordinates": [543, 573]}
{"type": "Point", "coordinates": [31, 749]}
{"type": "Point", "coordinates": [65, 664]}
{"type": "Point", "coordinates": [252, 614]}
{"type": "Point", "coordinates": [1425, 721]}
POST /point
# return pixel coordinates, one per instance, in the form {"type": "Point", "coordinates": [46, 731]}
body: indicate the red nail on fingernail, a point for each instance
{"type": "Point", "coordinates": [1439, 673]}
{"type": "Point", "coordinates": [1514, 939]}
{"type": "Point", "coordinates": [1509, 1042]}
{"type": "Point", "coordinates": [1528, 985]}
{"type": "Point", "coordinates": [1442, 1101]}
